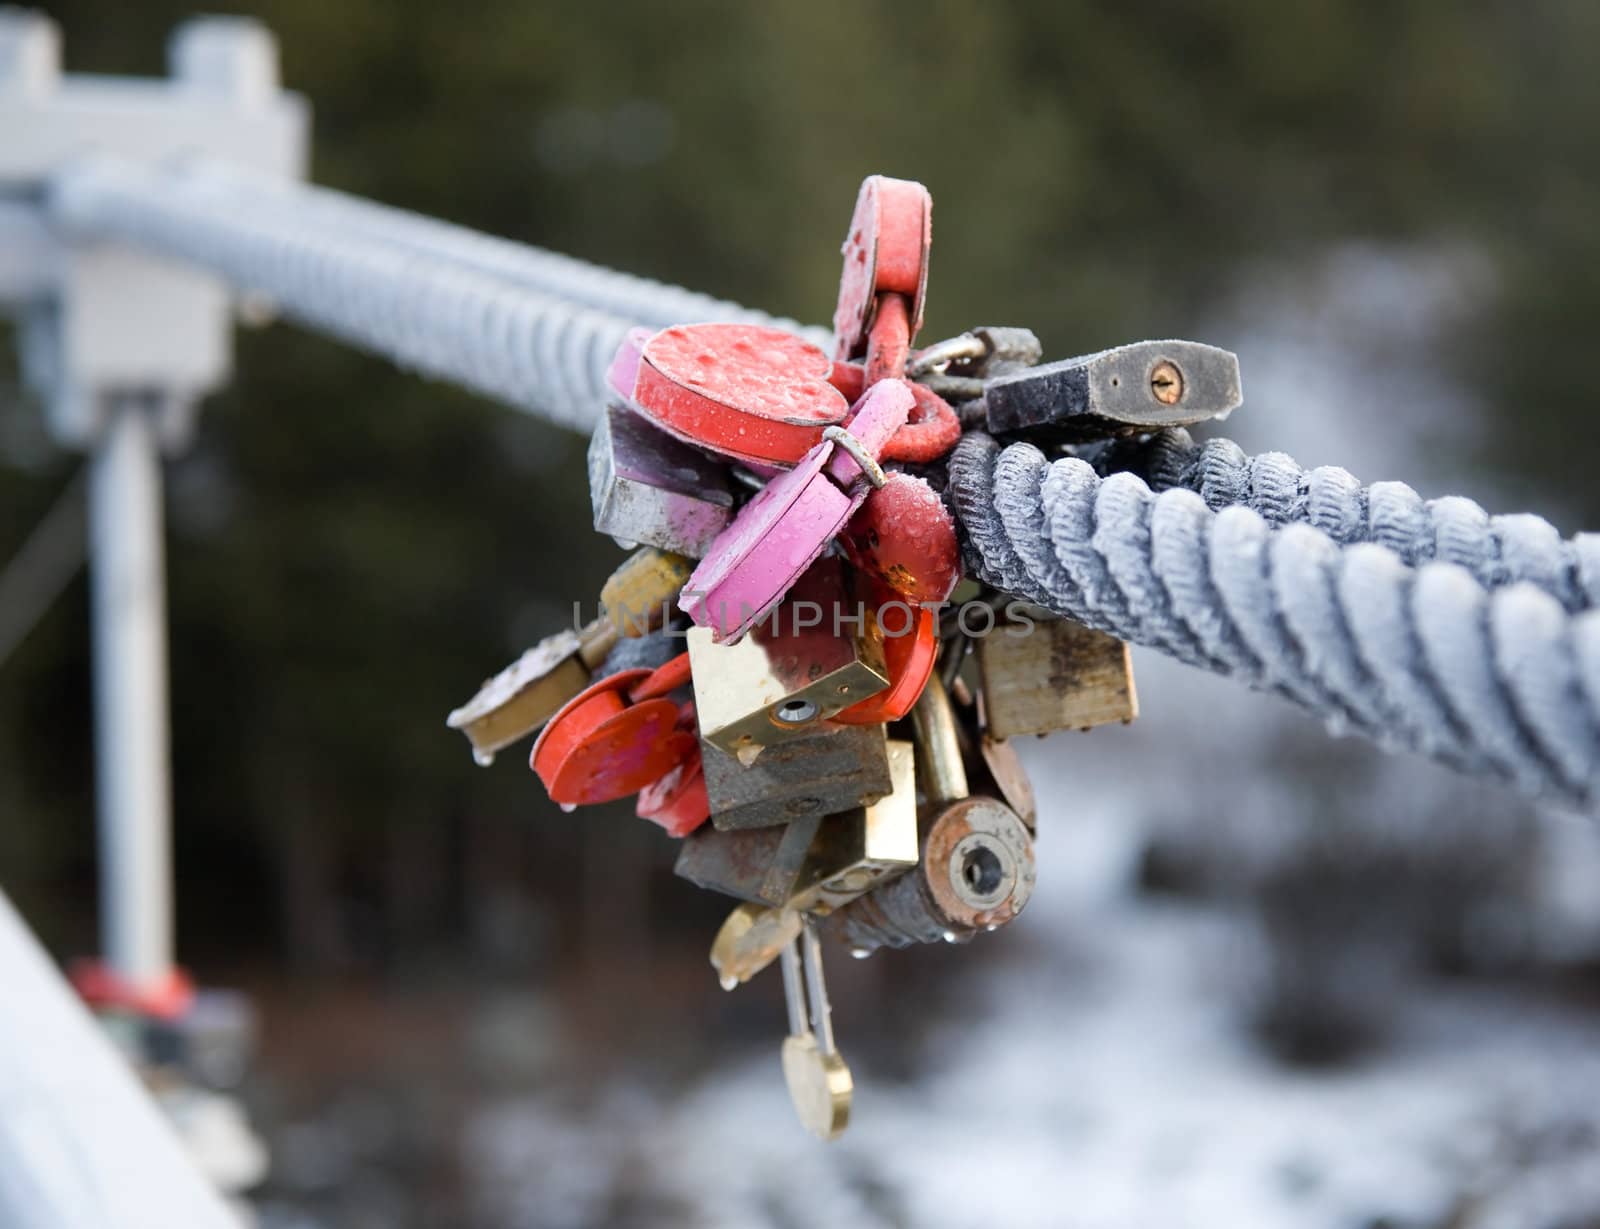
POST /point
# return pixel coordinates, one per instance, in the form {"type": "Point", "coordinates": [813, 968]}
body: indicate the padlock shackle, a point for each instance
{"type": "Point", "coordinates": [934, 721]}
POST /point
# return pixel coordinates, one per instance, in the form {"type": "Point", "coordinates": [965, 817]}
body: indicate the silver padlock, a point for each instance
{"type": "Point", "coordinates": [958, 368]}
{"type": "Point", "coordinates": [648, 487]}
{"type": "Point", "coordinates": [1140, 387]}
{"type": "Point", "coordinates": [831, 771]}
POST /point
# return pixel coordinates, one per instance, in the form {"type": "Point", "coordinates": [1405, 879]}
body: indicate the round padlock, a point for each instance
{"type": "Point", "coordinates": [910, 648]}
{"type": "Point", "coordinates": [599, 747]}
{"type": "Point", "coordinates": [904, 536]}
{"type": "Point", "coordinates": [820, 1086]}
{"type": "Point", "coordinates": [755, 393]}
{"type": "Point", "coordinates": [885, 252]}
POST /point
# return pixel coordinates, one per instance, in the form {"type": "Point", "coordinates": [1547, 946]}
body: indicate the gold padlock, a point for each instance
{"type": "Point", "coordinates": [827, 772]}
{"type": "Point", "coordinates": [639, 595]}
{"type": "Point", "coordinates": [789, 673]}
{"type": "Point", "coordinates": [1053, 675]}
{"type": "Point", "coordinates": [526, 694]}
{"type": "Point", "coordinates": [854, 851]}
{"type": "Point", "coordinates": [751, 939]}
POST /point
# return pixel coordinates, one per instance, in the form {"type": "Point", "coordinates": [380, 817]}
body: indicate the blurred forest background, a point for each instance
{"type": "Point", "coordinates": [1387, 210]}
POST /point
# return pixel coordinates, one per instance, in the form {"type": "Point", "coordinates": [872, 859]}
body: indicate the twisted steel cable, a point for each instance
{"type": "Point", "coordinates": [1501, 681]}
{"type": "Point", "coordinates": [1424, 624]}
{"type": "Point", "coordinates": [1496, 550]}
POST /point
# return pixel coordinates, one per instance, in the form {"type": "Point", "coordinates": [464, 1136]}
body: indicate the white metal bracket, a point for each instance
{"type": "Point", "coordinates": [102, 320]}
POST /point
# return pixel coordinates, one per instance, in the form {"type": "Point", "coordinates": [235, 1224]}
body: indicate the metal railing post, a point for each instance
{"type": "Point", "coordinates": [132, 738]}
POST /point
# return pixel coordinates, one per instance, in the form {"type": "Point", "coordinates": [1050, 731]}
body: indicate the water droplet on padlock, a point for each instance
{"type": "Point", "coordinates": [950, 936]}
{"type": "Point", "coordinates": [567, 808]}
{"type": "Point", "coordinates": [859, 953]}
{"type": "Point", "coordinates": [482, 758]}
{"type": "Point", "coordinates": [728, 981]}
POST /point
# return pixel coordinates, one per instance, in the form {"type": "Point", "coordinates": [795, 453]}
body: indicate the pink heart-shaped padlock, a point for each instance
{"type": "Point", "coordinates": [784, 529]}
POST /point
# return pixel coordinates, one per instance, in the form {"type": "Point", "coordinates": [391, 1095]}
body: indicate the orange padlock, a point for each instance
{"type": "Point", "coordinates": [601, 747]}
{"type": "Point", "coordinates": [904, 536]}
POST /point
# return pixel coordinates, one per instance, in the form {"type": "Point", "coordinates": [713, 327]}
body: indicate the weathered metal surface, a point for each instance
{"type": "Point", "coordinates": [647, 487]}
{"type": "Point", "coordinates": [1060, 675]}
{"type": "Point", "coordinates": [857, 849]}
{"type": "Point", "coordinates": [527, 693]}
{"type": "Point", "coordinates": [754, 864]}
{"type": "Point", "coordinates": [1140, 387]}
{"type": "Point", "coordinates": [640, 596]}
{"type": "Point", "coordinates": [827, 772]}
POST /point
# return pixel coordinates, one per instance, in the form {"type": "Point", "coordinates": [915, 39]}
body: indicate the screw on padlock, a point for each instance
{"type": "Point", "coordinates": [814, 657]}
{"type": "Point", "coordinates": [758, 394]}
{"type": "Point", "coordinates": [831, 770]}
{"type": "Point", "coordinates": [522, 697]}
{"type": "Point", "coordinates": [855, 850]}
{"type": "Point", "coordinates": [819, 1082]}
{"type": "Point", "coordinates": [751, 938]}
{"type": "Point", "coordinates": [605, 745]}
{"type": "Point", "coordinates": [647, 487]}
{"type": "Point", "coordinates": [977, 865]}
{"type": "Point", "coordinates": [787, 526]}
{"type": "Point", "coordinates": [640, 596]}
{"type": "Point", "coordinates": [1140, 387]}
{"type": "Point", "coordinates": [1061, 675]}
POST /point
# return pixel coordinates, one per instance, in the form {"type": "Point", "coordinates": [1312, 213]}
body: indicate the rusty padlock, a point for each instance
{"type": "Point", "coordinates": [814, 657]}
{"type": "Point", "coordinates": [1136, 388]}
{"type": "Point", "coordinates": [754, 864]}
{"type": "Point", "coordinates": [832, 770]}
{"type": "Point", "coordinates": [522, 697]}
{"type": "Point", "coordinates": [649, 488]}
{"type": "Point", "coordinates": [1051, 673]}
{"type": "Point", "coordinates": [976, 870]}
{"type": "Point", "coordinates": [905, 536]}
{"type": "Point", "coordinates": [786, 527]}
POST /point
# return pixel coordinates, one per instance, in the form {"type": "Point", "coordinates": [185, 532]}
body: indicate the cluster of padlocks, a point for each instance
{"type": "Point", "coordinates": [831, 744]}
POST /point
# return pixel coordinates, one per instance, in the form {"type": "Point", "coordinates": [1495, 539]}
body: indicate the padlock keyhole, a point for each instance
{"type": "Point", "coordinates": [795, 712]}
{"type": "Point", "coordinates": [982, 871]}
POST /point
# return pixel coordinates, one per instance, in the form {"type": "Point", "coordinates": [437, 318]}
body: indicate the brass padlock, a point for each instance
{"type": "Point", "coordinates": [816, 654]}
{"type": "Point", "coordinates": [526, 694]}
{"type": "Point", "coordinates": [652, 489]}
{"type": "Point", "coordinates": [639, 596]}
{"type": "Point", "coordinates": [830, 771]}
{"type": "Point", "coordinates": [1053, 675]}
{"type": "Point", "coordinates": [976, 870]}
{"type": "Point", "coordinates": [750, 940]}
{"type": "Point", "coordinates": [854, 851]}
